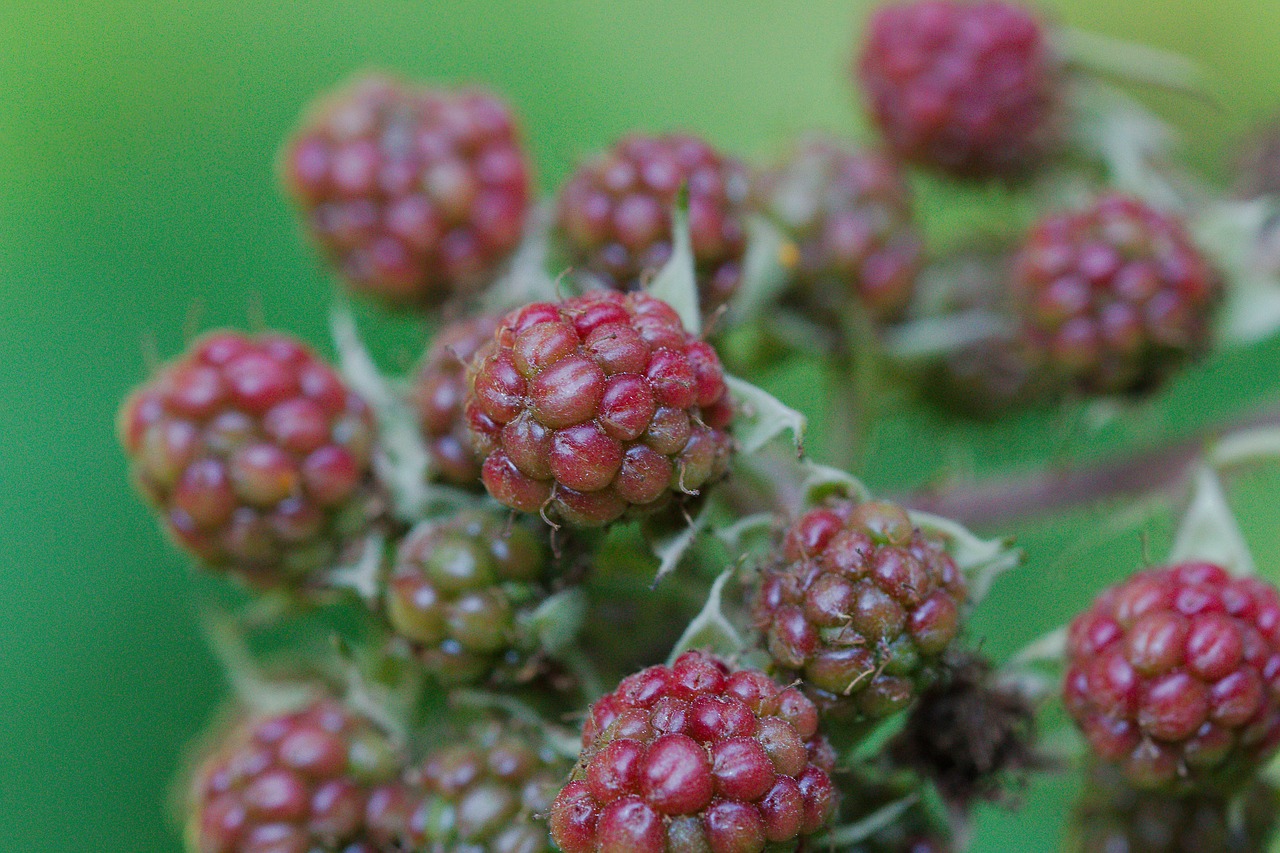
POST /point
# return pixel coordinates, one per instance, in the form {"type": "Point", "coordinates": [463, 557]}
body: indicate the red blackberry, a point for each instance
{"type": "Point", "coordinates": [1114, 296]}
{"type": "Point", "coordinates": [696, 757]}
{"type": "Point", "coordinates": [597, 406]}
{"type": "Point", "coordinates": [457, 589]}
{"type": "Point", "coordinates": [415, 194]}
{"type": "Point", "coordinates": [1112, 817]}
{"type": "Point", "coordinates": [614, 214]}
{"type": "Point", "coordinates": [861, 605]}
{"type": "Point", "coordinates": [489, 794]}
{"type": "Point", "coordinates": [1174, 676]}
{"type": "Point", "coordinates": [439, 393]}
{"type": "Point", "coordinates": [849, 213]}
{"type": "Point", "coordinates": [290, 783]}
{"type": "Point", "coordinates": [967, 88]}
{"type": "Point", "coordinates": [255, 453]}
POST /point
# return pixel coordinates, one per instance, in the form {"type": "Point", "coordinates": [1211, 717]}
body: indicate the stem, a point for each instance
{"type": "Point", "coordinates": [1166, 470]}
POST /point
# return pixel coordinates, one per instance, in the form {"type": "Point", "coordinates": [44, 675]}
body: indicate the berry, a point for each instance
{"type": "Point", "coordinates": [256, 455]}
{"type": "Point", "coordinates": [415, 194]}
{"type": "Point", "coordinates": [967, 88]}
{"type": "Point", "coordinates": [614, 214]}
{"type": "Point", "coordinates": [457, 590]}
{"type": "Point", "coordinates": [1115, 296]}
{"type": "Point", "coordinates": [696, 757]}
{"type": "Point", "coordinates": [596, 407]}
{"type": "Point", "coordinates": [1113, 817]}
{"type": "Point", "coordinates": [438, 396]}
{"type": "Point", "coordinates": [297, 782]}
{"type": "Point", "coordinates": [861, 605]}
{"type": "Point", "coordinates": [1174, 676]}
{"type": "Point", "coordinates": [849, 214]}
{"type": "Point", "coordinates": [488, 794]}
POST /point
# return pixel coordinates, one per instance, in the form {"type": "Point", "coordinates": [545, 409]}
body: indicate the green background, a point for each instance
{"type": "Point", "coordinates": [137, 204]}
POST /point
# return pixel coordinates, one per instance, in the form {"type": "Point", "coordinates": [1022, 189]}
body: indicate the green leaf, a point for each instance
{"type": "Point", "coordinates": [364, 574]}
{"type": "Point", "coordinates": [1133, 143]}
{"type": "Point", "coordinates": [1132, 62]}
{"type": "Point", "coordinates": [1235, 236]}
{"type": "Point", "coordinates": [557, 620]}
{"type": "Point", "coordinates": [1209, 530]}
{"type": "Point", "coordinates": [981, 560]}
{"type": "Point", "coordinates": [822, 481]}
{"type": "Point", "coordinates": [747, 534]}
{"type": "Point", "coordinates": [670, 550]}
{"type": "Point", "coordinates": [676, 283]}
{"type": "Point", "coordinates": [765, 275]}
{"type": "Point", "coordinates": [761, 417]}
{"type": "Point", "coordinates": [710, 629]}
{"type": "Point", "coordinates": [525, 278]}
{"type": "Point", "coordinates": [845, 837]}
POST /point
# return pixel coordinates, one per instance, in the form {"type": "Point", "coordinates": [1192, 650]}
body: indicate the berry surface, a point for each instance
{"type": "Point", "coordinates": [861, 606]}
{"type": "Point", "coordinates": [439, 393]}
{"type": "Point", "coordinates": [597, 407]}
{"type": "Point", "coordinates": [967, 88]}
{"type": "Point", "coordinates": [849, 214]}
{"type": "Point", "coordinates": [696, 757]}
{"type": "Point", "coordinates": [256, 455]}
{"type": "Point", "coordinates": [1112, 817]}
{"type": "Point", "coordinates": [614, 214]}
{"type": "Point", "coordinates": [1113, 297]}
{"type": "Point", "coordinates": [456, 591]}
{"type": "Point", "coordinates": [415, 194]}
{"type": "Point", "coordinates": [491, 793]}
{"type": "Point", "coordinates": [296, 782]}
{"type": "Point", "coordinates": [1174, 676]}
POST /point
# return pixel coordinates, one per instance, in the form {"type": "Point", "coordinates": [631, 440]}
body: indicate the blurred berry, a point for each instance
{"type": "Point", "coordinates": [696, 757]}
{"type": "Point", "coordinates": [861, 605]}
{"type": "Point", "coordinates": [596, 407]}
{"type": "Point", "coordinates": [967, 88]}
{"type": "Point", "coordinates": [849, 214]}
{"type": "Point", "coordinates": [1174, 676]}
{"type": "Point", "coordinates": [256, 455]}
{"type": "Point", "coordinates": [290, 783]}
{"type": "Point", "coordinates": [614, 214]}
{"type": "Point", "coordinates": [415, 194]}
{"type": "Point", "coordinates": [439, 394]}
{"type": "Point", "coordinates": [1115, 296]}
{"type": "Point", "coordinates": [457, 589]}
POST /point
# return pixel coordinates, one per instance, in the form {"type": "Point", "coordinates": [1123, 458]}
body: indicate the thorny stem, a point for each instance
{"type": "Point", "coordinates": [1162, 470]}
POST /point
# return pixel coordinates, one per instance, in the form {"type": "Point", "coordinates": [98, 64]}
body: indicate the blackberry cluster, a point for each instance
{"type": "Point", "coordinates": [415, 194]}
{"type": "Point", "coordinates": [1113, 817]}
{"type": "Point", "coordinates": [439, 393]}
{"type": "Point", "coordinates": [849, 214]}
{"type": "Point", "coordinates": [296, 782]}
{"type": "Point", "coordinates": [614, 214]}
{"type": "Point", "coordinates": [457, 589]}
{"type": "Point", "coordinates": [256, 455]}
{"type": "Point", "coordinates": [861, 605]}
{"type": "Point", "coordinates": [696, 757]}
{"type": "Point", "coordinates": [1174, 676]}
{"type": "Point", "coordinates": [1113, 297]}
{"type": "Point", "coordinates": [968, 88]}
{"type": "Point", "coordinates": [489, 794]}
{"type": "Point", "coordinates": [596, 407]}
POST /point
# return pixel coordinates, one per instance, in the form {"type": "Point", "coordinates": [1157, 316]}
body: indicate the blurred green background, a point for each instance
{"type": "Point", "coordinates": [137, 204]}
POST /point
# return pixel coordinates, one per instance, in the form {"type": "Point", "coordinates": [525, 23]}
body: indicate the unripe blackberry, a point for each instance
{"type": "Point", "coordinates": [1115, 296]}
{"type": "Point", "coordinates": [596, 407]}
{"type": "Point", "coordinates": [256, 455]}
{"type": "Point", "coordinates": [1113, 817]}
{"type": "Point", "coordinates": [849, 214]}
{"type": "Point", "coordinates": [861, 605]}
{"type": "Point", "coordinates": [489, 794]}
{"type": "Point", "coordinates": [1174, 676]}
{"type": "Point", "coordinates": [439, 393]}
{"type": "Point", "coordinates": [415, 194]}
{"type": "Point", "coordinates": [967, 88]}
{"type": "Point", "coordinates": [457, 590]}
{"type": "Point", "coordinates": [614, 214]}
{"type": "Point", "coordinates": [696, 757]}
{"type": "Point", "coordinates": [296, 782]}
